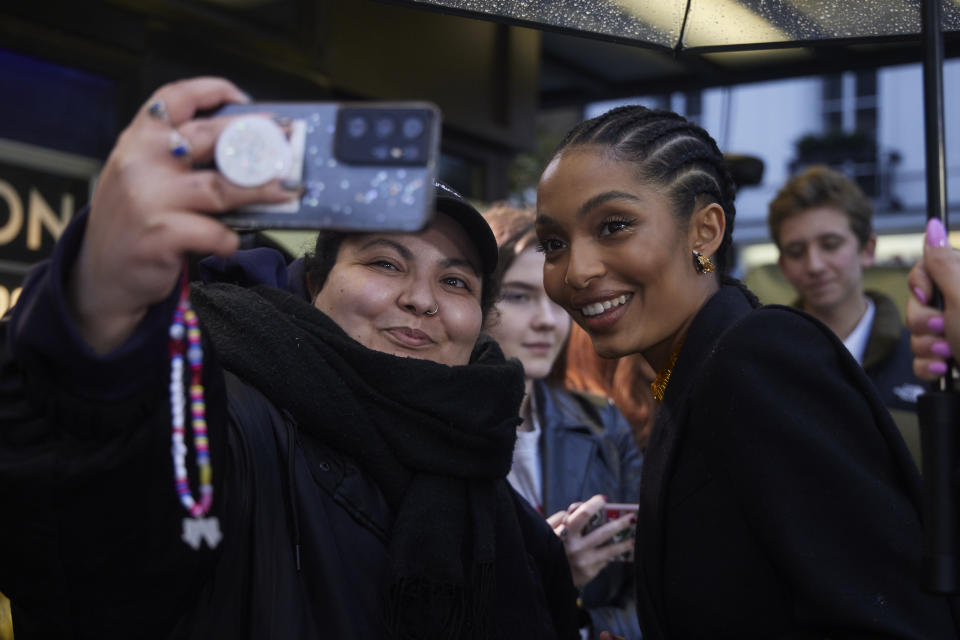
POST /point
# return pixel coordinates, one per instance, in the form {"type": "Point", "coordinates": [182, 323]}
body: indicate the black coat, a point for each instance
{"type": "Point", "coordinates": [778, 499]}
{"type": "Point", "coordinates": [888, 359]}
{"type": "Point", "coordinates": [71, 570]}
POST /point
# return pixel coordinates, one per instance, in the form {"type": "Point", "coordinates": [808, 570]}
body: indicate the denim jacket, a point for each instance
{"type": "Point", "coordinates": [587, 448]}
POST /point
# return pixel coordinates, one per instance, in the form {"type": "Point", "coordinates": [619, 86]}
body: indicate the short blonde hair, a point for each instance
{"type": "Point", "coordinates": [821, 186]}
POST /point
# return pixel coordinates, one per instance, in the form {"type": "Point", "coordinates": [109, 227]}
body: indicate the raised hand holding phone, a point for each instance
{"type": "Point", "coordinates": [368, 166]}
{"type": "Point", "coordinates": [591, 547]}
{"type": "Point", "coordinates": [151, 206]}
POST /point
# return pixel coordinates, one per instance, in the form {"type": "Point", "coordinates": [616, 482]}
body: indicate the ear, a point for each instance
{"type": "Point", "coordinates": [707, 225]}
{"type": "Point", "coordinates": [868, 251]}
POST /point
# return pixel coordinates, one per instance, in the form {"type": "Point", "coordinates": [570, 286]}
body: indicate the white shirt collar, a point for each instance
{"type": "Point", "coordinates": [856, 342]}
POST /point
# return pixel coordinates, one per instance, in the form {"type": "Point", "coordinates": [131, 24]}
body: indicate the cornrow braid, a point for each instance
{"type": "Point", "coordinates": [609, 126]}
{"type": "Point", "coordinates": [670, 151]}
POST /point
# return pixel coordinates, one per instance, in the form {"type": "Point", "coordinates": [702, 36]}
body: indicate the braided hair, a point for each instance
{"type": "Point", "coordinates": [670, 151]}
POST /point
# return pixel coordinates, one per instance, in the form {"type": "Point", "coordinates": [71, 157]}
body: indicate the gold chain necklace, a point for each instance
{"type": "Point", "coordinates": [659, 386]}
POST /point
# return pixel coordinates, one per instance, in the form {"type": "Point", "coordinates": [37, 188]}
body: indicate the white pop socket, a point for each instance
{"type": "Point", "coordinates": [252, 151]}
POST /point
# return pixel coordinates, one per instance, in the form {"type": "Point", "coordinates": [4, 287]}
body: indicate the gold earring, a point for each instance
{"type": "Point", "coordinates": [702, 263]}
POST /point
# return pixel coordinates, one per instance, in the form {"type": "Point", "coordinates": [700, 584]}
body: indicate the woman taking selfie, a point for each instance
{"type": "Point", "coordinates": [778, 499]}
{"type": "Point", "coordinates": [572, 447]}
{"type": "Point", "coordinates": [347, 473]}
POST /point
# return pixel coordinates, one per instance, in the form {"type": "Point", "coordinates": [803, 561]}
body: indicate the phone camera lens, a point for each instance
{"type": "Point", "coordinates": [384, 127]}
{"type": "Point", "coordinates": [411, 153]}
{"type": "Point", "coordinates": [412, 127]}
{"type": "Point", "coordinates": [380, 152]}
{"type": "Point", "coordinates": [356, 127]}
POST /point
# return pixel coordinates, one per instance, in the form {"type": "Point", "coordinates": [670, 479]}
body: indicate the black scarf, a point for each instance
{"type": "Point", "coordinates": [437, 439]}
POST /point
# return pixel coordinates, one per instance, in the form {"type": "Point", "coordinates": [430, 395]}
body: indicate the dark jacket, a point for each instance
{"type": "Point", "coordinates": [91, 531]}
{"type": "Point", "coordinates": [888, 360]}
{"type": "Point", "coordinates": [587, 448]}
{"type": "Point", "coordinates": [778, 499]}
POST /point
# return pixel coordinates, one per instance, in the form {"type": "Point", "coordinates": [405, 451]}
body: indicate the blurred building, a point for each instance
{"type": "Point", "coordinates": [72, 74]}
{"type": "Point", "coordinates": [866, 123]}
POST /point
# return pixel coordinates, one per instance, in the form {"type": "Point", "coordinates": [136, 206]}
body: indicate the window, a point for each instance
{"type": "Point", "coordinates": [850, 116]}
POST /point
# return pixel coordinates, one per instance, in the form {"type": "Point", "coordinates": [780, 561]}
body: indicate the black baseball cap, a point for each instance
{"type": "Point", "coordinates": [478, 231]}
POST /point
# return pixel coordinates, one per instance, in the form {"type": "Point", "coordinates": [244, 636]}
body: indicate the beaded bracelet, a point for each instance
{"type": "Point", "coordinates": [185, 340]}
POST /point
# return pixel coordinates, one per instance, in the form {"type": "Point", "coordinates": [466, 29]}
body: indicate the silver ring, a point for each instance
{"type": "Point", "coordinates": [435, 309]}
{"type": "Point", "coordinates": [158, 110]}
{"type": "Point", "coordinates": [179, 146]}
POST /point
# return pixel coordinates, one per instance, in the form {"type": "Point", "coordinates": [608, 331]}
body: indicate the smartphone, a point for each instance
{"type": "Point", "coordinates": [612, 511]}
{"type": "Point", "coordinates": [364, 166]}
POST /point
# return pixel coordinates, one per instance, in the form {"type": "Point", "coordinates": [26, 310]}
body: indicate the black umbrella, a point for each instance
{"type": "Point", "coordinates": [939, 408]}
{"type": "Point", "coordinates": [718, 37]}
{"type": "Point", "coordinates": [712, 25]}
{"type": "Point", "coordinates": [712, 29]}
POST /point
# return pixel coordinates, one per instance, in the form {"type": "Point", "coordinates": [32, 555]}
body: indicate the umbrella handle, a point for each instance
{"type": "Point", "coordinates": [938, 410]}
{"type": "Point", "coordinates": [939, 417]}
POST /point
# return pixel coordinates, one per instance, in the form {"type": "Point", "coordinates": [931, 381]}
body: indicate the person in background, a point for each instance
{"type": "Point", "coordinates": [624, 380]}
{"type": "Point", "coordinates": [821, 223]}
{"type": "Point", "coordinates": [572, 447]}
{"type": "Point", "coordinates": [935, 333]}
{"type": "Point", "coordinates": [350, 443]}
{"type": "Point", "coordinates": [778, 499]}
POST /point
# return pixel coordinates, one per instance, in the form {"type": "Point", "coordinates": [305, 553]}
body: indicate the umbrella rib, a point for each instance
{"type": "Point", "coordinates": [683, 28]}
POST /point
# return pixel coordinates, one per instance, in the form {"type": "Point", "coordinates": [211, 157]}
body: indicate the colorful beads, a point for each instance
{"type": "Point", "coordinates": [186, 325]}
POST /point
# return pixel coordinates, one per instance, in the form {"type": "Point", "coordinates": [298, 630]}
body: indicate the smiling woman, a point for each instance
{"type": "Point", "coordinates": [352, 429]}
{"type": "Point", "coordinates": [630, 236]}
{"type": "Point", "coordinates": [388, 290]}
{"type": "Point", "coordinates": [777, 498]}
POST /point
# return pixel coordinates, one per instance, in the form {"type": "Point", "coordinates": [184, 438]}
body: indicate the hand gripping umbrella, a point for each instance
{"type": "Point", "coordinates": [939, 408]}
